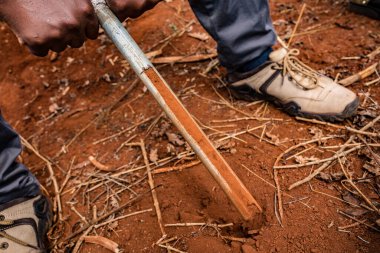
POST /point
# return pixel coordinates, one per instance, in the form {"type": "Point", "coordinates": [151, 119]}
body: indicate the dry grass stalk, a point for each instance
{"type": "Point", "coordinates": [374, 53]}
{"type": "Point", "coordinates": [81, 239]}
{"type": "Point", "coordinates": [359, 221]}
{"type": "Point", "coordinates": [376, 81]}
{"type": "Point", "coordinates": [350, 129]}
{"type": "Point", "coordinates": [327, 164]}
{"type": "Point", "coordinates": [336, 156]}
{"type": "Point", "coordinates": [184, 59]}
{"type": "Point", "coordinates": [200, 224]}
{"type": "Point", "coordinates": [235, 239]}
{"type": "Point", "coordinates": [104, 242]}
{"type": "Point", "coordinates": [359, 76]}
{"type": "Point", "coordinates": [170, 248]}
{"type": "Point", "coordinates": [57, 197]}
{"type": "Point", "coordinates": [275, 173]}
{"type": "Point", "coordinates": [105, 216]}
{"type": "Point", "coordinates": [176, 168]}
{"type": "Point", "coordinates": [99, 165]}
{"type": "Point", "coordinates": [297, 24]}
{"type": "Point", "coordinates": [349, 180]}
{"type": "Point", "coordinates": [123, 131]}
{"type": "Point", "coordinates": [333, 197]}
{"type": "Point", "coordinates": [152, 187]}
{"type": "Point", "coordinates": [122, 217]}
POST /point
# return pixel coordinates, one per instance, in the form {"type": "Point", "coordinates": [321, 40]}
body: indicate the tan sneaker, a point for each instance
{"type": "Point", "coordinates": [24, 224]}
{"type": "Point", "coordinates": [295, 87]}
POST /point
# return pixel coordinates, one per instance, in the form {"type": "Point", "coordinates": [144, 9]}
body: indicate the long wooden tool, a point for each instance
{"type": "Point", "coordinates": [181, 118]}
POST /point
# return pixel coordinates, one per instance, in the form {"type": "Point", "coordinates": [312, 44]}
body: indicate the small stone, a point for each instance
{"type": "Point", "coordinates": [378, 222]}
{"type": "Point", "coordinates": [247, 248]}
{"type": "Point", "coordinates": [314, 251]}
{"type": "Point", "coordinates": [235, 247]}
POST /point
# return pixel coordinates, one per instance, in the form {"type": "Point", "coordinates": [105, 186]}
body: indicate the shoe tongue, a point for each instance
{"type": "Point", "coordinates": [278, 55]}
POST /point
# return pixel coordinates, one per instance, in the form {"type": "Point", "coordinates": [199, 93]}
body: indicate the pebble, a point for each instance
{"type": "Point", "coordinates": [246, 248]}
{"type": "Point", "coordinates": [235, 247]}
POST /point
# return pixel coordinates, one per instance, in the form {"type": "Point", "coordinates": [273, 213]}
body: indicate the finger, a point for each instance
{"type": "Point", "coordinates": [118, 8]}
{"type": "Point", "coordinates": [58, 46]}
{"type": "Point", "coordinates": [92, 28]}
{"type": "Point", "coordinates": [76, 42]}
{"type": "Point", "coordinates": [38, 50]}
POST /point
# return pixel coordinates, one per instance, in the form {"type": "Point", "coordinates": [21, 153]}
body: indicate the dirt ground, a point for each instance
{"type": "Point", "coordinates": [65, 105]}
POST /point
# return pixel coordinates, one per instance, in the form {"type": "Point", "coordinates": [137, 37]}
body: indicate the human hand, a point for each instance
{"type": "Point", "coordinates": [130, 8]}
{"type": "Point", "coordinates": [44, 25]}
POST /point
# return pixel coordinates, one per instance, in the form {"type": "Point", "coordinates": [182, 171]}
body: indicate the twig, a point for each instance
{"type": "Point", "coordinates": [200, 224]}
{"type": "Point", "coordinates": [297, 24]}
{"type": "Point", "coordinates": [122, 217]}
{"type": "Point", "coordinates": [81, 239]}
{"type": "Point", "coordinates": [66, 146]}
{"type": "Point", "coordinates": [349, 180]}
{"type": "Point", "coordinates": [104, 242]}
{"type": "Point", "coordinates": [359, 76]}
{"type": "Point", "coordinates": [51, 173]}
{"type": "Point", "coordinates": [151, 184]}
{"type": "Point", "coordinates": [99, 165]}
{"type": "Point", "coordinates": [183, 59]}
{"type": "Point", "coordinates": [278, 196]}
{"type": "Point", "coordinates": [325, 165]}
{"type": "Point", "coordinates": [176, 168]}
{"type": "Point", "coordinates": [373, 54]}
{"type": "Point", "coordinates": [68, 175]}
{"type": "Point", "coordinates": [78, 213]}
{"type": "Point", "coordinates": [336, 156]}
{"type": "Point", "coordinates": [357, 220]}
{"type": "Point", "coordinates": [333, 197]}
{"type": "Point", "coordinates": [275, 173]}
{"type": "Point", "coordinates": [122, 132]}
{"type": "Point", "coordinates": [170, 248]}
{"type": "Point", "coordinates": [271, 185]}
{"type": "Point", "coordinates": [350, 129]}
{"type": "Point", "coordinates": [245, 118]}
{"type": "Point", "coordinates": [235, 239]}
{"type": "Point", "coordinates": [105, 216]}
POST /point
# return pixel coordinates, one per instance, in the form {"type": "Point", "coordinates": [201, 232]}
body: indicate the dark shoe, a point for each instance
{"type": "Point", "coordinates": [369, 8]}
{"type": "Point", "coordinates": [295, 87]}
{"type": "Point", "coordinates": [24, 224]}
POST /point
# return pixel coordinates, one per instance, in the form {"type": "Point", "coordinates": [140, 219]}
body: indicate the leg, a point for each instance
{"type": "Point", "coordinates": [15, 179]}
{"type": "Point", "coordinates": [242, 28]}
{"type": "Point", "coordinates": [245, 35]}
{"type": "Point", "coordinates": [25, 214]}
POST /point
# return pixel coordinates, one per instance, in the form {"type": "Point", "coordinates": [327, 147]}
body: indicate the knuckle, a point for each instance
{"type": "Point", "coordinates": [55, 34]}
{"type": "Point", "coordinates": [140, 5]}
{"type": "Point", "coordinates": [71, 24]}
{"type": "Point", "coordinates": [87, 10]}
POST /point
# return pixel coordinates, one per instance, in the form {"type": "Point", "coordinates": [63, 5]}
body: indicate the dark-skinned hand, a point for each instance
{"type": "Point", "coordinates": [130, 8]}
{"type": "Point", "coordinates": [44, 25]}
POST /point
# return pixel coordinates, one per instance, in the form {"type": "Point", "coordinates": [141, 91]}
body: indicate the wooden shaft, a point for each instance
{"type": "Point", "coordinates": [213, 161]}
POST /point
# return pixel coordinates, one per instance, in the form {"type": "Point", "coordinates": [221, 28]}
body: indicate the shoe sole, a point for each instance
{"type": "Point", "coordinates": [368, 11]}
{"type": "Point", "coordinates": [293, 108]}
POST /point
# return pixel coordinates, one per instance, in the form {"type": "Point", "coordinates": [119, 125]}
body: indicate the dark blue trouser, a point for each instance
{"type": "Point", "coordinates": [243, 31]}
{"type": "Point", "coordinates": [15, 179]}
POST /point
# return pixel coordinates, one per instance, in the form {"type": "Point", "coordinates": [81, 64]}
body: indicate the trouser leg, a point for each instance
{"type": "Point", "coordinates": [242, 29]}
{"type": "Point", "coordinates": [16, 180]}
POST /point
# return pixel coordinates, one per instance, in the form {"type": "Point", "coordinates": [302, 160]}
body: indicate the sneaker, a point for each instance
{"type": "Point", "coordinates": [369, 8]}
{"type": "Point", "coordinates": [24, 224]}
{"type": "Point", "coordinates": [295, 87]}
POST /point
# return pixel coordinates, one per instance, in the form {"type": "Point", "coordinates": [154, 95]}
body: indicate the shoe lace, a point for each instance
{"type": "Point", "coordinates": [296, 68]}
{"type": "Point", "coordinates": [4, 224]}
